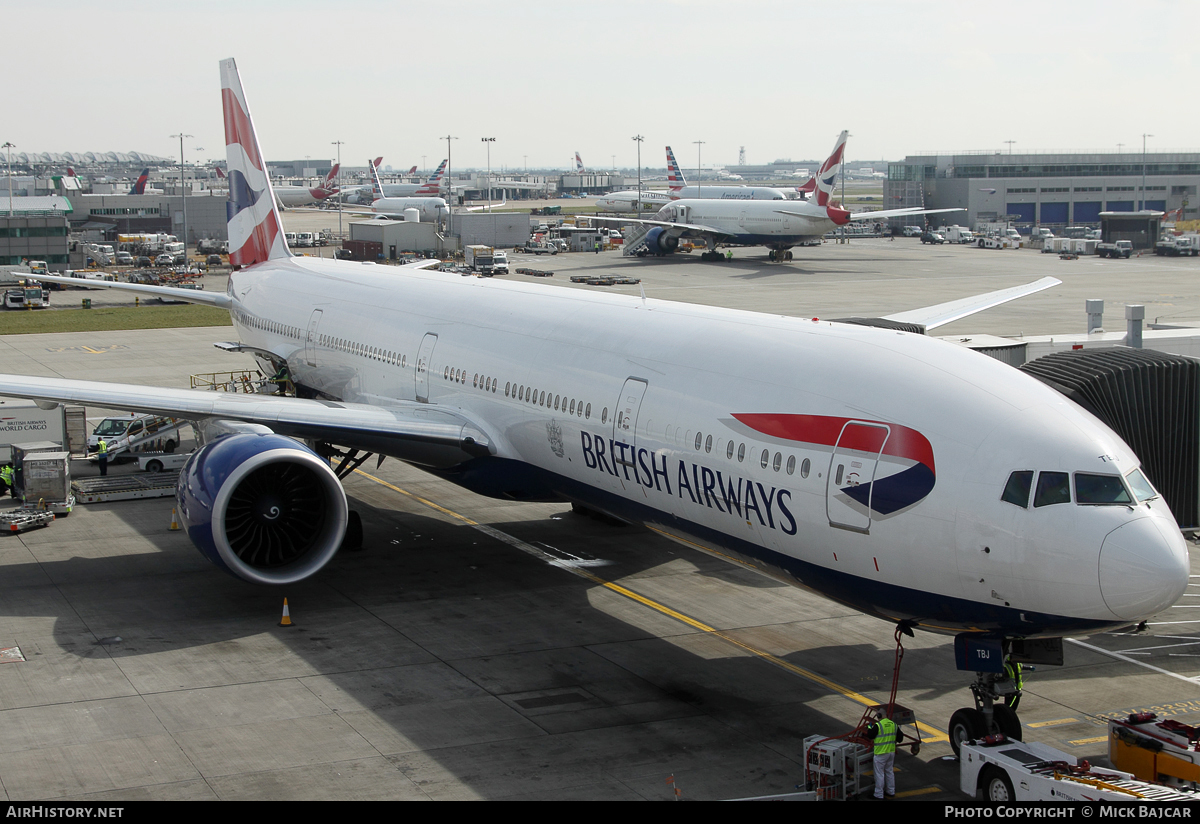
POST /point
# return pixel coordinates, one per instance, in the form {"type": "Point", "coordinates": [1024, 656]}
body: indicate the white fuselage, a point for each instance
{"type": "Point", "coordinates": [627, 201]}
{"type": "Point", "coordinates": [290, 196]}
{"type": "Point", "coordinates": [431, 208]}
{"type": "Point", "coordinates": [726, 429]}
{"type": "Point", "coordinates": [751, 222]}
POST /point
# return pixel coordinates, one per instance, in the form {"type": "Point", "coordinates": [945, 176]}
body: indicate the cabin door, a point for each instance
{"type": "Point", "coordinates": [624, 436]}
{"type": "Point", "coordinates": [851, 474]}
{"type": "Point", "coordinates": [310, 339]}
{"type": "Point", "coordinates": [424, 354]}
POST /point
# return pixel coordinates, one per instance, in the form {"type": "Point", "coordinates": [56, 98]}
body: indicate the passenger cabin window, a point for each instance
{"type": "Point", "coordinates": [1016, 491]}
{"type": "Point", "coordinates": [1052, 488]}
{"type": "Point", "coordinates": [1100, 489]}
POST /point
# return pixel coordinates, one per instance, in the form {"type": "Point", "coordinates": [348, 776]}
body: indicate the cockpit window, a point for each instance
{"type": "Point", "coordinates": [1016, 491]}
{"type": "Point", "coordinates": [1100, 489]}
{"type": "Point", "coordinates": [1140, 486]}
{"type": "Point", "coordinates": [1052, 488]}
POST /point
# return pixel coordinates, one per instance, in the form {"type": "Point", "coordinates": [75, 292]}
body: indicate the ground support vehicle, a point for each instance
{"type": "Point", "coordinates": [932, 237]}
{"type": "Point", "coordinates": [136, 433]}
{"type": "Point", "coordinates": [1161, 750]}
{"type": "Point", "coordinates": [997, 242]}
{"type": "Point", "coordinates": [125, 487]}
{"type": "Point", "coordinates": [155, 462]}
{"type": "Point", "coordinates": [479, 258]}
{"type": "Point", "coordinates": [22, 518]}
{"type": "Point", "coordinates": [540, 248]}
{"type": "Point", "coordinates": [1120, 249]}
{"type": "Point", "coordinates": [837, 769]}
{"type": "Point", "coordinates": [1183, 246]}
{"type": "Point", "coordinates": [1005, 771]}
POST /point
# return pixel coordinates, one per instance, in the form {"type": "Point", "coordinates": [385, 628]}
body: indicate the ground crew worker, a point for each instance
{"type": "Point", "coordinates": [1013, 671]}
{"type": "Point", "coordinates": [102, 455]}
{"type": "Point", "coordinates": [885, 734]}
{"type": "Point", "coordinates": [6, 478]}
{"type": "Point", "coordinates": [597, 247]}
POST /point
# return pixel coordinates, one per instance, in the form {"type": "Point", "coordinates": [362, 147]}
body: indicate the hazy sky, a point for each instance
{"type": "Point", "coordinates": [549, 79]}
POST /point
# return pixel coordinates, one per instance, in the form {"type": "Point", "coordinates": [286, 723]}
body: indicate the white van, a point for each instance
{"type": "Point", "coordinates": [136, 433]}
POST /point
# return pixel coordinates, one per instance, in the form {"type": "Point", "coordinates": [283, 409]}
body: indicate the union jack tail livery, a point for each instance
{"type": "Point", "coordinates": [579, 169]}
{"type": "Point", "coordinates": [434, 184]}
{"type": "Point", "coordinates": [675, 178]}
{"type": "Point", "coordinates": [139, 186]}
{"type": "Point", "coordinates": [254, 224]}
{"type": "Point", "coordinates": [830, 169]}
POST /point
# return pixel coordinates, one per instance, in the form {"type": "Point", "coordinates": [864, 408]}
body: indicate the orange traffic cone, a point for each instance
{"type": "Point", "coordinates": [286, 621]}
{"type": "Point", "coordinates": [174, 520]}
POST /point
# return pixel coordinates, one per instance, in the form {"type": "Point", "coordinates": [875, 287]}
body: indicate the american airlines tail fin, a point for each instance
{"type": "Point", "coordinates": [139, 186]}
{"type": "Point", "coordinates": [433, 186]}
{"type": "Point", "coordinates": [376, 185]}
{"type": "Point", "coordinates": [827, 176]}
{"type": "Point", "coordinates": [254, 224]}
{"type": "Point", "coordinates": [675, 178]}
{"type": "Point", "coordinates": [579, 169]}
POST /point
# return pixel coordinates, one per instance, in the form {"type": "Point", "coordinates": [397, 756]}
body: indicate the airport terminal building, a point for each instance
{"type": "Point", "coordinates": [1050, 190]}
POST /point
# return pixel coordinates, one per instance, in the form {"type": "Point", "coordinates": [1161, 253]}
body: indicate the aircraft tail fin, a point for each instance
{"type": "Point", "coordinates": [220, 173]}
{"type": "Point", "coordinates": [255, 233]}
{"type": "Point", "coordinates": [675, 178]}
{"type": "Point", "coordinates": [139, 186]}
{"type": "Point", "coordinates": [807, 187]}
{"type": "Point", "coordinates": [377, 161]}
{"type": "Point", "coordinates": [434, 185]}
{"type": "Point", "coordinates": [376, 185]}
{"type": "Point", "coordinates": [331, 178]}
{"type": "Point", "coordinates": [830, 169]}
{"type": "Point", "coordinates": [579, 168]}
{"type": "Point", "coordinates": [411, 171]}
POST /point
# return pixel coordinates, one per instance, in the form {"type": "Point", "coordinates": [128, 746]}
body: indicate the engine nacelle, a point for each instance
{"type": "Point", "coordinates": [661, 242]}
{"type": "Point", "coordinates": [263, 508]}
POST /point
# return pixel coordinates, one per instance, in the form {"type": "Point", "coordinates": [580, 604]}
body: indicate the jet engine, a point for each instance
{"type": "Point", "coordinates": [660, 242]}
{"type": "Point", "coordinates": [262, 507]}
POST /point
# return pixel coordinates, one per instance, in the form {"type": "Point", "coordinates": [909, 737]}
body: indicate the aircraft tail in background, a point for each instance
{"type": "Point", "coordinates": [139, 186]}
{"type": "Point", "coordinates": [675, 178]}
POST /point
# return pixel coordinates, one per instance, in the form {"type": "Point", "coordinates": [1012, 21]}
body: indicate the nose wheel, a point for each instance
{"type": "Point", "coordinates": [990, 715]}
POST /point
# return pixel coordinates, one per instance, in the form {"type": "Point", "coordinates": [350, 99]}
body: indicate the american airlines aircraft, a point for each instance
{"type": "Point", "coordinates": [302, 196]}
{"type": "Point", "coordinates": [430, 208]}
{"type": "Point", "coordinates": [773, 224]}
{"type": "Point", "coordinates": [430, 188]}
{"type": "Point", "coordinates": [902, 476]}
{"type": "Point", "coordinates": [627, 201]}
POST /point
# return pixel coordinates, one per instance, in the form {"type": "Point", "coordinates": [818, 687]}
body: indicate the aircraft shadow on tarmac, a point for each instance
{"type": "Point", "coordinates": [457, 659]}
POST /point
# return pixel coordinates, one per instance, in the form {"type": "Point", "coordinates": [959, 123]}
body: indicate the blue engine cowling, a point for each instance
{"type": "Point", "coordinates": [660, 242]}
{"type": "Point", "coordinates": [262, 507]}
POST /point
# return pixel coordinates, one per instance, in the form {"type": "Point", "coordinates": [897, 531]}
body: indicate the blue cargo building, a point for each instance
{"type": "Point", "coordinates": [1048, 190]}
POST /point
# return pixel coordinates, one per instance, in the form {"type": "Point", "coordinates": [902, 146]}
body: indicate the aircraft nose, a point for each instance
{"type": "Point", "coordinates": [1143, 568]}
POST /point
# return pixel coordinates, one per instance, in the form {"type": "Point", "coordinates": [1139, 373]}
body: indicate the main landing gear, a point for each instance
{"type": "Point", "coordinates": [780, 255]}
{"type": "Point", "coordinates": [713, 255]}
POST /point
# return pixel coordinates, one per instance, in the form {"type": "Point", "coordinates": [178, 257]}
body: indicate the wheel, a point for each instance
{"type": "Point", "coordinates": [1007, 722]}
{"type": "Point", "coordinates": [352, 541]}
{"type": "Point", "coordinates": [789, 254]}
{"type": "Point", "coordinates": [154, 467]}
{"type": "Point", "coordinates": [965, 725]}
{"type": "Point", "coordinates": [170, 446]}
{"type": "Point", "coordinates": [995, 785]}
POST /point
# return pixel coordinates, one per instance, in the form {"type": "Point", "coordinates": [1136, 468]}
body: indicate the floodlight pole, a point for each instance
{"type": "Point", "coordinates": [183, 192]}
{"type": "Point", "coordinates": [638, 139]}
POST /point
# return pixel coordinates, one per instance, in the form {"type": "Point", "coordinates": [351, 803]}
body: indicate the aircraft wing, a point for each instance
{"type": "Point", "coordinates": [931, 317]}
{"type": "Point", "coordinates": [899, 213]}
{"type": "Point", "coordinates": [411, 431]}
{"type": "Point", "coordinates": [218, 299]}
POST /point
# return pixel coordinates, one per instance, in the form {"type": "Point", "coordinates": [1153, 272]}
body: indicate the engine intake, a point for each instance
{"type": "Point", "coordinates": [262, 507]}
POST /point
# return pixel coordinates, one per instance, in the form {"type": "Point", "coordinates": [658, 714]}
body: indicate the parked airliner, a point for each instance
{"type": "Point", "coordinates": [429, 207]}
{"type": "Point", "coordinates": [778, 226]}
{"type": "Point", "coordinates": [289, 196]}
{"type": "Point", "coordinates": [900, 475]}
{"type": "Point", "coordinates": [627, 201]}
{"type": "Point", "coordinates": [430, 188]}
